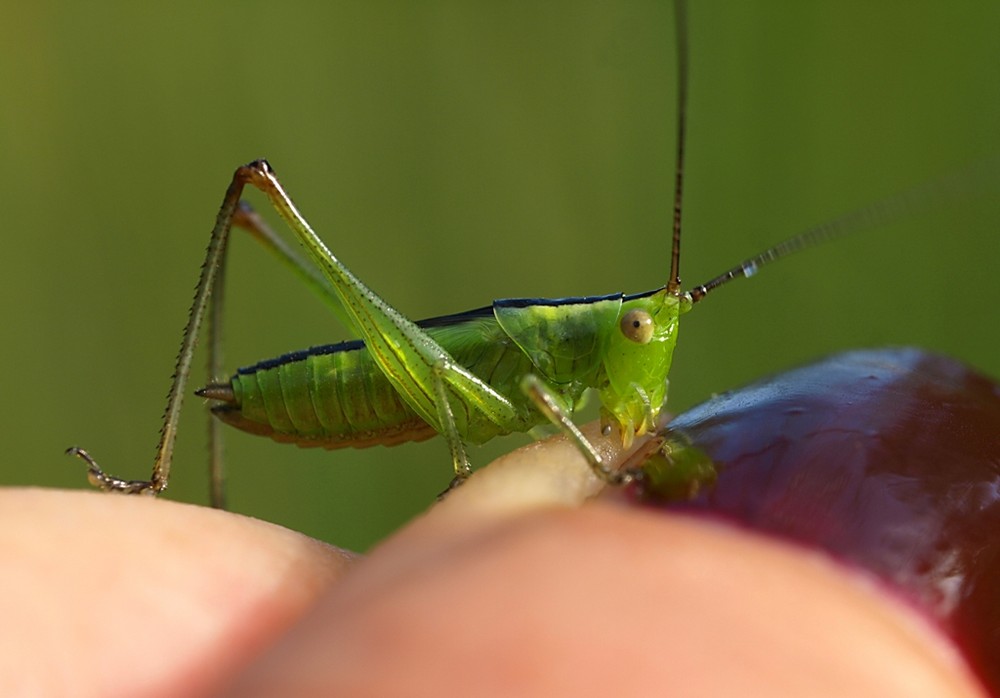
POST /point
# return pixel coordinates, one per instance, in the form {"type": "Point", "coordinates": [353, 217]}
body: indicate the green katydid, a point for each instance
{"type": "Point", "coordinates": [503, 368]}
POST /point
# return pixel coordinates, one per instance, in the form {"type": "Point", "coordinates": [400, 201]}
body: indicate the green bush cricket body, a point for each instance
{"type": "Point", "coordinates": [412, 386]}
{"type": "Point", "coordinates": [424, 387]}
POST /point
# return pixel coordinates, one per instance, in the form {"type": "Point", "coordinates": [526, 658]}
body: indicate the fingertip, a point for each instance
{"type": "Point", "coordinates": [612, 599]}
{"type": "Point", "coordinates": [144, 593]}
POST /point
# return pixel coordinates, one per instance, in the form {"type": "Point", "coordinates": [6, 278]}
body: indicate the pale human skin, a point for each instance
{"type": "Point", "coordinates": [509, 587]}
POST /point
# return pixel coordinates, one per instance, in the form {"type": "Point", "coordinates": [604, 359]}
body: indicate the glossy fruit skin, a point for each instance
{"type": "Point", "coordinates": [887, 459]}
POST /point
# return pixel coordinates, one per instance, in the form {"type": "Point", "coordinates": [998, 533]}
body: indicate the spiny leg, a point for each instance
{"type": "Point", "coordinates": [160, 476]}
{"type": "Point", "coordinates": [549, 405]}
{"type": "Point", "coordinates": [209, 294]}
{"type": "Point", "coordinates": [216, 471]}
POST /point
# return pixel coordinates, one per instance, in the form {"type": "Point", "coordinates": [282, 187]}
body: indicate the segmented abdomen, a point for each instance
{"type": "Point", "coordinates": [335, 396]}
{"type": "Point", "coordinates": [326, 396]}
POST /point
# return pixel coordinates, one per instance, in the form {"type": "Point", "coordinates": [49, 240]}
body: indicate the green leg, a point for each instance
{"type": "Point", "coordinates": [447, 417]}
{"type": "Point", "coordinates": [249, 220]}
{"type": "Point", "coordinates": [207, 283]}
{"type": "Point", "coordinates": [550, 405]}
{"type": "Point", "coordinates": [403, 352]}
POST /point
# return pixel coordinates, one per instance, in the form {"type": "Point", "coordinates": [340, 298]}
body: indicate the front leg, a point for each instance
{"type": "Point", "coordinates": [549, 405]}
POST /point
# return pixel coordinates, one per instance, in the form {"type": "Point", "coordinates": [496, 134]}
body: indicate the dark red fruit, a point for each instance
{"type": "Point", "coordinates": [889, 460]}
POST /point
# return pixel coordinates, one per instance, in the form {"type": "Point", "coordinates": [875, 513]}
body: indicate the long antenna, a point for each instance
{"type": "Point", "coordinates": [950, 187]}
{"type": "Point", "coordinates": [680, 19]}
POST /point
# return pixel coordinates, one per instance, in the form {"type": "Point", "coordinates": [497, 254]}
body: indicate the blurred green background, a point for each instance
{"type": "Point", "coordinates": [452, 153]}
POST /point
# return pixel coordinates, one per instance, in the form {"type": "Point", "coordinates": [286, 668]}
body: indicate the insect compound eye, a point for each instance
{"type": "Point", "coordinates": [637, 325]}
